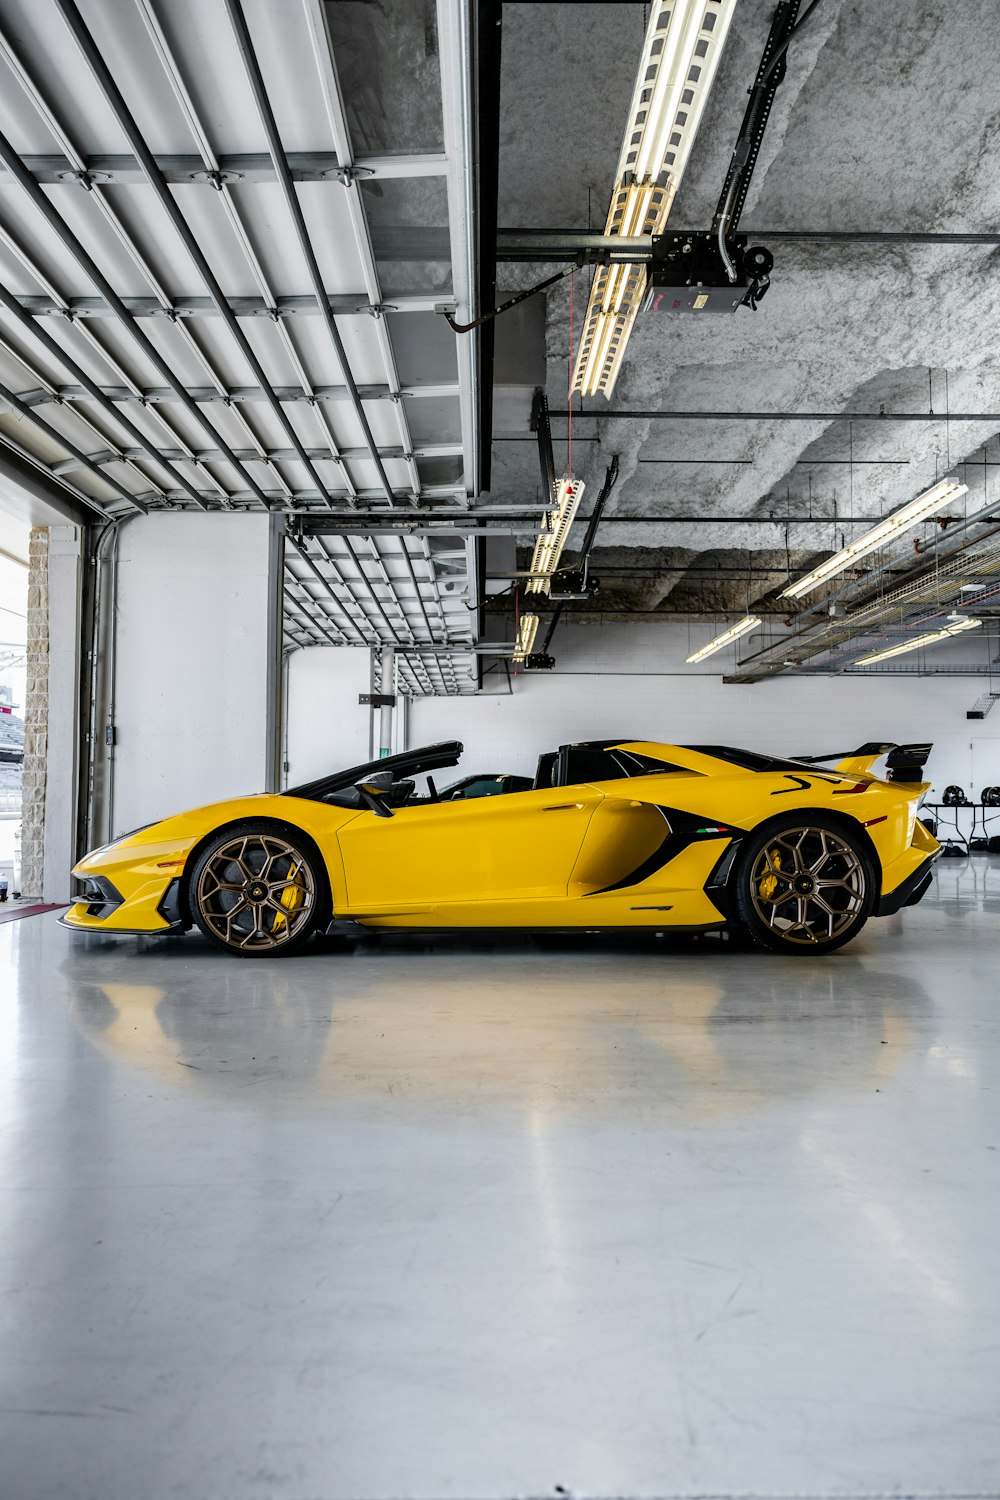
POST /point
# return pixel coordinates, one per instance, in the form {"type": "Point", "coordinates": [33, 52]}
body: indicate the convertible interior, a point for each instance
{"type": "Point", "coordinates": [569, 765]}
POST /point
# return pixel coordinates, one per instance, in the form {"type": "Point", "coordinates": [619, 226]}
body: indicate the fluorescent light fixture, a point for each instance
{"type": "Point", "coordinates": [886, 531]}
{"type": "Point", "coordinates": [742, 627]}
{"type": "Point", "coordinates": [684, 41]}
{"type": "Point", "coordinates": [960, 624]}
{"type": "Point", "coordinates": [527, 629]}
{"type": "Point", "coordinates": [552, 538]}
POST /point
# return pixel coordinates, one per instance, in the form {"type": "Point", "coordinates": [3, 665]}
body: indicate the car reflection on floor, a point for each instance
{"type": "Point", "coordinates": [579, 1021]}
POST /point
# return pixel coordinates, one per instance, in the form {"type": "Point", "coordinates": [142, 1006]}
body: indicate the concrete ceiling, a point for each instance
{"type": "Point", "coordinates": [887, 120]}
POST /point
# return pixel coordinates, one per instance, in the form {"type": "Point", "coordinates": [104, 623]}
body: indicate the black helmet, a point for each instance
{"type": "Point", "coordinates": [990, 795]}
{"type": "Point", "coordinates": [954, 796]}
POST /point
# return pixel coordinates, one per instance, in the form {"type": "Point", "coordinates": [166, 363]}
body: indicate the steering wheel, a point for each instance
{"type": "Point", "coordinates": [432, 789]}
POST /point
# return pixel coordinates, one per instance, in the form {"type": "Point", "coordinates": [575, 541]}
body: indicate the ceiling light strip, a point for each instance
{"type": "Point", "coordinates": [553, 536]}
{"type": "Point", "coordinates": [886, 531]}
{"type": "Point", "coordinates": [958, 627]}
{"type": "Point", "coordinates": [684, 41]}
{"type": "Point", "coordinates": [741, 628]}
{"type": "Point", "coordinates": [527, 629]}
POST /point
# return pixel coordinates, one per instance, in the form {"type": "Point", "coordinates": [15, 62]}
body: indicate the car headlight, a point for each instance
{"type": "Point", "coordinates": [120, 838]}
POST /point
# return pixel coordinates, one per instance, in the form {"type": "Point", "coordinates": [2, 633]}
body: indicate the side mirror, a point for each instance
{"type": "Point", "coordinates": [373, 789]}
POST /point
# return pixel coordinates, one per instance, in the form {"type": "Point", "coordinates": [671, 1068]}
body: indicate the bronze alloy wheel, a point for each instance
{"type": "Point", "coordinates": [809, 886]}
{"type": "Point", "coordinates": [254, 893]}
{"type": "Point", "coordinates": [804, 887]}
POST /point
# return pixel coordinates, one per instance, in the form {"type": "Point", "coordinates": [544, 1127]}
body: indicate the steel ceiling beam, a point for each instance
{"type": "Point", "coordinates": [231, 207]}
{"type": "Point", "coordinates": [116, 103]}
{"type": "Point", "coordinates": [79, 457]}
{"type": "Point", "coordinates": [370, 597]}
{"type": "Point", "coordinates": [93, 272]}
{"type": "Point", "coordinates": [370, 629]}
{"type": "Point", "coordinates": [234, 167]}
{"type": "Point", "coordinates": [326, 585]}
{"type": "Point", "coordinates": [263, 104]}
{"type": "Point", "coordinates": [82, 416]}
{"type": "Point", "coordinates": [297, 305]}
{"type": "Point", "coordinates": [458, 45]}
{"type": "Point", "coordinates": [106, 355]}
{"type": "Point", "coordinates": [100, 197]}
{"type": "Point", "coordinates": [27, 472]}
{"type": "Point", "coordinates": [326, 67]}
{"type": "Point", "coordinates": [154, 395]}
{"type": "Point", "coordinates": [346, 498]}
{"type": "Point", "coordinates": [147, 448]}
{"type": "Point", "coordinates": [272, 455]}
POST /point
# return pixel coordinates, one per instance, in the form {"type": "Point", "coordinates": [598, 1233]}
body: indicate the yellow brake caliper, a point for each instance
{"type": "Point", "coordinates": [768, 887]}
{"type": "Point", "coordinates": [292, 898]}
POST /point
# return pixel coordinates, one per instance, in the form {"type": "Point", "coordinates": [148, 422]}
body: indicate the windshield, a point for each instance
{"type": "Point", "coordinates": [407, 764]}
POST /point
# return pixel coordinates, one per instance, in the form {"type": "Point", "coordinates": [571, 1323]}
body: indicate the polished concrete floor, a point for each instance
{"type": "Point", "coordinates": [447, 1220]}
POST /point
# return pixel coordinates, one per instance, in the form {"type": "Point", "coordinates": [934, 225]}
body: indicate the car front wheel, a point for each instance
{"type": "Point", "coordinates": [257, 892]}
{"type": "Point", "coordinates": [804, 885]}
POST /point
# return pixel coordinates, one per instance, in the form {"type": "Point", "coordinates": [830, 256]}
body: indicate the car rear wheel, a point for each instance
{"type": "Point", "coordinates": [804, 885]}
{"type": "Point", "coordinates": [257, 892]}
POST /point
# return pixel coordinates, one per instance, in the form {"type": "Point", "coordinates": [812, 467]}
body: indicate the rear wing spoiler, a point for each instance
{"type": "Point", "coordinates": [903, 762]}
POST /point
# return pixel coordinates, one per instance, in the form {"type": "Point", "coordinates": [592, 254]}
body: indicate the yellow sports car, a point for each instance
{"type": "Point", "coordinates": [611, 834]}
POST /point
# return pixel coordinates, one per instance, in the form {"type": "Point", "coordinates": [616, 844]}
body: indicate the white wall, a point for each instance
{"type": "Point", "coordinates": [632, 680]}
{"type": "Point", "coordinates": [326, 727]}
{"type": "Point", "coordinates": [196, 663]}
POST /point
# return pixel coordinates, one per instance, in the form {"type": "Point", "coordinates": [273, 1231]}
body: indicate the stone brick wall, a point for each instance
{"type": "Point", "coordinates": [36, 716]}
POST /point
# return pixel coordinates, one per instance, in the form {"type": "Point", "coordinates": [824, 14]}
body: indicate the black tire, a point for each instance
{"type": "Point", "coordinates": [258, 890]}
{"type": "Point", "coordinates": [805, 884]}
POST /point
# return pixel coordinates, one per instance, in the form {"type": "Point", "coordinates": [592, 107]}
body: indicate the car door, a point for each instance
{"type": "Point", "coordinates": [519, 846]}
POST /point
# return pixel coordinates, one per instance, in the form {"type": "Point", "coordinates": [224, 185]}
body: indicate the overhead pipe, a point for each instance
{"type": "Point", "coordinates": [778, 416]}
{"type": "Point", "coordinates": [816, 636]}
{"type": "Point", "coordinates": [588, 247]}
